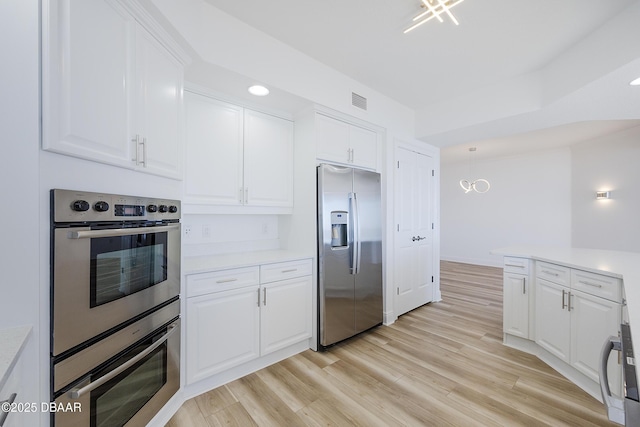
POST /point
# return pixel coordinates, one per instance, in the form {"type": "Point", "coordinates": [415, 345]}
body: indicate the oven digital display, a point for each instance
{"type": "Point", "coordinates": [129, 210]}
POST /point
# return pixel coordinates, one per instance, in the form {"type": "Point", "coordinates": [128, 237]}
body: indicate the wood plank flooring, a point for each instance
{"type": "Point", "coordinates": [442, 364]}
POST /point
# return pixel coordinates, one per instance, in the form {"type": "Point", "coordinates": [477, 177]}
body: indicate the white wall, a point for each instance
{"type": "Point", "coordinates": [20, 287]}
{"type": "Point", "coordinates": [529, 203]}
{"type": "Point", "coordinates": [610, 163]}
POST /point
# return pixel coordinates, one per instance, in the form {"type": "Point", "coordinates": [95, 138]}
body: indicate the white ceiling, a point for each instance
{"type": "Point", "coordinates": [497, 41]}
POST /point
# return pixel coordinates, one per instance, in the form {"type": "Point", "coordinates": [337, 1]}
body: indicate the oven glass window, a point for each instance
{"type": "Point", "coordinates": [124, 265]}
{"type": "Point", "coordinates": [114, 403]}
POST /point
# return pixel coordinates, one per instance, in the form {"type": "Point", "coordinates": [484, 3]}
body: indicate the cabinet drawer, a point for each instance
{"type": "Point", "coordinates": [596, 284]}
{"type": "Point", "coordinates": [516, 265]}
{"type": "Point", "coordinates": [553, 273]}
{"type": "Point", "coordinates": [285, 270]}
{"type": "Point", "coordinates": [222, 280]}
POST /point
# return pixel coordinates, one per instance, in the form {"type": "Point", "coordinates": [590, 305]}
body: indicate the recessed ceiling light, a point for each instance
{"type": "Point", "coordinates": [636, 82]}
{"type": "Point", "coordinates": [258, 90]}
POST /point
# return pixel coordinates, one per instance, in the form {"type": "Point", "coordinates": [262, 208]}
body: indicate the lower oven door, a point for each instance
{"type": "Point", "coordinates": [130, 390]}
{"type": "Point", "coordinates": [104, 277]}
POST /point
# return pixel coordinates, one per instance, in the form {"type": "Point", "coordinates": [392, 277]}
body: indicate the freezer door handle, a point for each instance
{"type": "Point", "coordinates": [356, 233]}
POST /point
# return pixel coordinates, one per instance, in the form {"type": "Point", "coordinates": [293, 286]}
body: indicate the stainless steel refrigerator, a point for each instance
{"type": "Point", "coordinates": [349, 251]}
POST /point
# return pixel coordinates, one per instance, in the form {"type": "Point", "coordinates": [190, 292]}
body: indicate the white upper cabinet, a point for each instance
{"type": "Point", "coordinates": [112, 92]}
{"type": "Point", "coordinates": [213, 167]}
{"type": "Point", "coordinates": [341, 142]}
{"type": "Point", "coordinates": [237, 160]}
{"type": "Point", "coordinates": [158, 112]}
{"type": "Point", "coordinates": [268, 160]}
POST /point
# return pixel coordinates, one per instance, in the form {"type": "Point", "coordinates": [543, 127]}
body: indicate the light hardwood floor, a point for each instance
{"type": "Point", "coordinates": [442, 364]}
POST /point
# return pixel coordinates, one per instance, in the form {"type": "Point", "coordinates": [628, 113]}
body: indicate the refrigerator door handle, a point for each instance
{"type": "Point", "coordinates": [356, 234]}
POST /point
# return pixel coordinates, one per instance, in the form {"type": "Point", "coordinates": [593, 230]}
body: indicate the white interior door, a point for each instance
{"type": "Point", "coordinates": [414, 230]}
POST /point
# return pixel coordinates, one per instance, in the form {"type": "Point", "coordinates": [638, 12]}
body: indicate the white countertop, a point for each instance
{"type": "Point", "coordinates": [12, 343]}
{"type": "Point", "coordinates": [201, 264]}
{"type": "Point", "coordinates": [625, 265]}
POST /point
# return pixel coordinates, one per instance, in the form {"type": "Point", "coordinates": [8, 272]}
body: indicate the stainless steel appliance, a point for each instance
{"type": "Point", "coordinates": [349, 251]}
{"type": "Point", "coordinates": [624, 411]}
{"type": "Point", "coordinates": [115, 308]}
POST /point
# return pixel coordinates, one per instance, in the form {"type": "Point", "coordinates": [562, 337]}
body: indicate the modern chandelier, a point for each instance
{"type": "Point", "coordinates": [434, 9]}
{"type": "Point", "coordinates": [479, 185]}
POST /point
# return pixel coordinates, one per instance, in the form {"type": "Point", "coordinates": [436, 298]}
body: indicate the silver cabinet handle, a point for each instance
{"type": "Point", "coordinates": [136, 141]}
{"type": "Point", "coordinates": [258, 297]}
{"type": "Point", "coordinates": [514, 265]}
{"type": "Point", "coordinates": [246, 196]}
{"type": "Point", "coordinates": [551, 273]}
{"type": "Point", "coordinates": [569, 301]}
{"type": "Point", "coordinates": [291, 270]}
{"type": "Point", "coordinates": [144, 152]}
{"type": "Point", "coordinates": [524, 285]}
{"type": "Point", "coordinates": [4, 415]}
{"type": "Point", "coordinates": [595, 285]}
{"type": "Point", "coordinates": [227, 280]}
{"type": "Point", "coordinates": [77, 392]}
{"type": "Point", "coordinates": [264, 294]}
{"type": "Point", "coordinates": [87, 234]}
{"type": "Point", "coordinates": [241, 195]}
{"type": "Point", "coordinates": [563, 304]}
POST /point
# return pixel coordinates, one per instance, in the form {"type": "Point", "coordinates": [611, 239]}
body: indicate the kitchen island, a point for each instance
{"type": "Point", "coordinates": [561, 304]}
{"type": "Point", "coordinates": [624, 265]}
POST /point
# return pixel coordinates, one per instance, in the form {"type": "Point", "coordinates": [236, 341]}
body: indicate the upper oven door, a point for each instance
{"type": "Point", "coordinates": [104, 277]}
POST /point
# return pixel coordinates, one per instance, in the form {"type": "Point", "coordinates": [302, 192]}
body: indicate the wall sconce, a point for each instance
{"type": "Point", "coordinates": [601, 195]}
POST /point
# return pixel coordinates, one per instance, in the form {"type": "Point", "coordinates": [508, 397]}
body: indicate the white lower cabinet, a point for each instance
{"type": "Point", "coordinates": [234, 316]}
{"type": "Point", "coordinates": [516, 305]}
{"type": "Point", "coordinates": [573, 319]}
{"type": "Point", "coordinates": [517, 297]}
{"type": "Point", "coordinates": [285, 317]}
{"type": "Point", "coordinates": [222, 331]}
{"type": "Point", "coordinates": [553, 320]}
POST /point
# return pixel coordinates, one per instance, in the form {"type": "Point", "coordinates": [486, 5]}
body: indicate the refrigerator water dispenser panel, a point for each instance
{"type": "Point", "coordinates": [339, 221]}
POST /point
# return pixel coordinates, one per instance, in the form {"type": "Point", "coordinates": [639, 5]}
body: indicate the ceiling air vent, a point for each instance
{"type": "Point", "coordinates": [358, 101]}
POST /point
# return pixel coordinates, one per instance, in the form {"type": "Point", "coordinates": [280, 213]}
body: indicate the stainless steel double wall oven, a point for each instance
{"type": "Point", "coordinates": [115, 309]}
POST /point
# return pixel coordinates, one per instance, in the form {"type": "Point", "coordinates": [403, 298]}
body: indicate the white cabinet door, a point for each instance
{"type": "Point", "coordinates": [414, 234]}
{"type": "Point", "coordinates": [516, 305]}
{"type": "Point", "coordinates": [593, 320]}
{"type": "Point", "coordinates": [222, 331]}
{"type": "Point", "coordinates": [364, 146]}
{"type": "Point", "coordinates": [87, 76]}
{"type": "Point", "coordinates": [285, 313]}
{"type": "Point", "coordinates": [214, 151]}
{"type": "Point", "coordinates": [332, 139]}
{"type": "Point", "coordinates": [158, 107]}
{"type": "Point", "coordinates": [342, 142]}
{"type": "Point", "coordinates": [553, 320]}
{"type": "Point", "coordinates": [268, 160]}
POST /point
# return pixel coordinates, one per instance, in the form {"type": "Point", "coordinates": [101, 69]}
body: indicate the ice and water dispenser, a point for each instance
{"type": "Point", "coordinates": [339, 220]}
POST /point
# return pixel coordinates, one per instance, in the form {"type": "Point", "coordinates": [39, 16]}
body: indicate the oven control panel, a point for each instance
{"type": "Point", "coordinates": [74, 206]}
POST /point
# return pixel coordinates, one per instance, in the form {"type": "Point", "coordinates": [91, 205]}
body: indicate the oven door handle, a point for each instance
{"type": "Point", "coordinates": [113, 232]}
{"type": "Point", "coordinates": [75, 393]}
